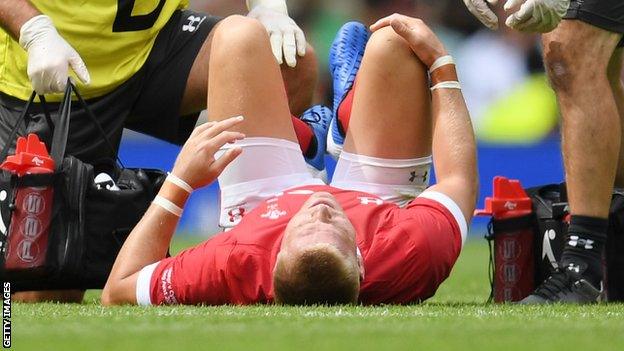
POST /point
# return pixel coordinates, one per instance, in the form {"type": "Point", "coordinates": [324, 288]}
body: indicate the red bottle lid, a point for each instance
{"type": "Point", "coordinates": [31, 156]}
{"type": "Point", "coordinates": [508, 200]}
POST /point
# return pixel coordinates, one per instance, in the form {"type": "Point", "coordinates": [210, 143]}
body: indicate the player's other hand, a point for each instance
{"type": "Point", "coordinates": [49, 56]}
{"type": "Point", "coordinates": [420, 38]}
{"type": "Point", "coordinates": [287, 39]}
{"type": "Point", "coordinates": [536, 16]}
{"type": "Point", "coordinates": [196, 164]}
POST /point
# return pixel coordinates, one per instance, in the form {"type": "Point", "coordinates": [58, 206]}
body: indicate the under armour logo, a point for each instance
{"type": "Point", "coordinates": [574, 268]}
{"type": "Point", "coordinates": [575, 241]}
{"type": "Point", "coordinates": [413, 176]}
{"type": "Point", "coordinates": [236, 214]}
{"type": "Point", "coordinates": [194, 23]}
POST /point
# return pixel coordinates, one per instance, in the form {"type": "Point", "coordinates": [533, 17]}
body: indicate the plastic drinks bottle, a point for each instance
{"type": "Point", "coordinates": [32, 208]}
{"type": "Point", "coordinates": [512, 218]}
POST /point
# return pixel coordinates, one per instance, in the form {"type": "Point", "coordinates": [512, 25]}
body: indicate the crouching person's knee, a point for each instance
{"type": "Point", "coordinates": [568, 61]}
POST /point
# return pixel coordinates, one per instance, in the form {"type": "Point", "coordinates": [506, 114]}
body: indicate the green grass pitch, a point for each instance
{"type": "Point", "coordinates": [457, 318]}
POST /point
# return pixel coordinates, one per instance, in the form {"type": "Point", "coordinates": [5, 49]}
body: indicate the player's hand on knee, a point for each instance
{"type": "Point", "coordinates": [287, 39]}
{"type": "Point", "coordinates": [419, 36]}
{"type": "Point", "coordinates": [539, 16]}
{"type": "Point", "coordinates": [196, 164]}
{"type": "Point", "coordinates": [483, 12]}
{"type": "Point", "coordinates": [49, 56]}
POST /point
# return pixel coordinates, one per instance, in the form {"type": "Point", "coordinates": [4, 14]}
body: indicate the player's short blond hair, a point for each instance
{"type": "Point", "coordinates": [320, 274]}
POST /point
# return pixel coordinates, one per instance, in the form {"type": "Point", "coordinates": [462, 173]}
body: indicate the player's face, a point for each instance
{"type": "Point", "coordinates": [321, 219]}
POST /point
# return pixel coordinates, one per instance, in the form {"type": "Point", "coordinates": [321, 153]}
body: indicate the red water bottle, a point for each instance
{"type": "Point", "coordinates": [30, 220]}
{"type": "Point", "coordinates": [510, 208]}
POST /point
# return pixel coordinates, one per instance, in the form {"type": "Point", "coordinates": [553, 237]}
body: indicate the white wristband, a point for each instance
{"type": "Point", "coordinates": [179, 182]}
{"type": "Point", "coordinates": [167, 205]}
{"type": "Point", "coordinates": [441, 61]}
{"type": "Point", "coordinates": [447, 85]}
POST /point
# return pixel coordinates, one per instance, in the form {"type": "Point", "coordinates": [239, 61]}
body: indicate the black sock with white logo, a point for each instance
{"type": "Point", "coordinates": [582, 253]}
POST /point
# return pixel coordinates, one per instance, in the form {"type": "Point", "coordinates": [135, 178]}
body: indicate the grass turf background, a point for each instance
{"type": "Point", "coordinates": [457, 318]}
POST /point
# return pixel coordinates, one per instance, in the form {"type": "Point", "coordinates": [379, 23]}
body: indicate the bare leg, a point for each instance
{"type": "Point", "coordinates": [244, 79]}
{"type": "Point", "coordinates": [300, 81]}
{"type": "Point", "coordinates": [576, 56]}
{"type": "Point", "coordinates": [614, 73]}
{"type": "Point", "coordinates": [391, 115]}
{"type": "Point", "coordinates": [389, 135]}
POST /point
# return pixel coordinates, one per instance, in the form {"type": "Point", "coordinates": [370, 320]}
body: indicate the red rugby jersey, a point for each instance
{"type": "Point", "coordinates": [407, 252]}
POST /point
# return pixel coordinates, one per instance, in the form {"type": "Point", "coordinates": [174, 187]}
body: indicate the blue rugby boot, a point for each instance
{"type": "Point", "coordinates": [318, 118]}
{"type": "Point", "coordinates": [345, 57]}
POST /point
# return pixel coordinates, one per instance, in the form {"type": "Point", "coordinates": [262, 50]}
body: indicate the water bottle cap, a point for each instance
{"type": "Point", "coordinates": [508, 199]}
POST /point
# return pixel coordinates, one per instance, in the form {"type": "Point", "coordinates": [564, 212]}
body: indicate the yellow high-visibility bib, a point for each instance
{"type": "Point", "coordinates": [113, 37]}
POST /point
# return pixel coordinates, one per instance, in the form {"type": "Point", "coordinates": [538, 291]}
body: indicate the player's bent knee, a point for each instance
{"type": "Point", "coordinates": [388, 47]}
{"type": "Point", "coordinates": [237, 24]}
{"type": "Point", "coordinates": [387, 42]}
{"type": "Point", "coordinates": [239, 33]}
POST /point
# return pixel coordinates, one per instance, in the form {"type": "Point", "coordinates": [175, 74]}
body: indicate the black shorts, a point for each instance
{"type": "Point", "coordinates": [149, 102]}
{"type": "Point", "coordinates": [605, 14]}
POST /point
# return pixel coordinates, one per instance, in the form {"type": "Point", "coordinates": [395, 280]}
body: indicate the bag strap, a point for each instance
{"type": "Point", "coordinates": [61, 132]}
{"type": "Point", "coordinates": [46, 113]}
{"type": "Point", "coordinates": [22, 117]}
{"type": "Point", "coordinates": [97, 124]}
{"type": "Point", "coordinates": [490, 240]}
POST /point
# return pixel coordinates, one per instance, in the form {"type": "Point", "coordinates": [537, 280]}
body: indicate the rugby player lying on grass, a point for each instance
{"type": "Point", "coordinates": [372, 237]}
